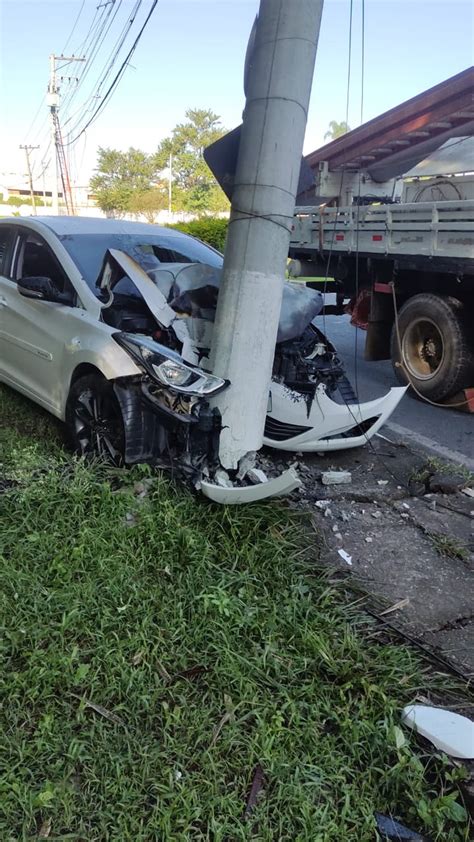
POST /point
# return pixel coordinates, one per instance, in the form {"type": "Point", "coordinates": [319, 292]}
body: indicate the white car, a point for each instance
{"type": "Point", "coordinates": [107, 324]}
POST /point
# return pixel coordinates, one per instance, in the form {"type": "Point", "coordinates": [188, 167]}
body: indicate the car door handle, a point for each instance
{"type": "Point", "coordinates": [3, 301]}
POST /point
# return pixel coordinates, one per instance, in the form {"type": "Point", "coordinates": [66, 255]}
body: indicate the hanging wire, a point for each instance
{"type": "Point", "coordinates": [118, 75]}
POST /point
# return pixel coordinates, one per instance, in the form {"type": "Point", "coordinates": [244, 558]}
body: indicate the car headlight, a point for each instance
{"type": "Point", "coordinates": [167, 367]}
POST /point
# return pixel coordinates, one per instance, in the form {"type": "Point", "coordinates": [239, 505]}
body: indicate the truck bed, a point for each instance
{"type": "Point", "coordinates": [423, 229]}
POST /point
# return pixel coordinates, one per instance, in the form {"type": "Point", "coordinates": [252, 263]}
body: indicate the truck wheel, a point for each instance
{"type": "Point", "coordinates": [437, 356]}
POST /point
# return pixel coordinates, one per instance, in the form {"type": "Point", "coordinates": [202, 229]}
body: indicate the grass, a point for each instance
{"type": "Point", "coordinates": [157, 650]}
{"type": "Point", "coordinates": [449, 546]}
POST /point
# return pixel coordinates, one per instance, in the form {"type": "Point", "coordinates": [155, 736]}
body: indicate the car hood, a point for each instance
{"type": "Point", "coordinates": [188, 292]}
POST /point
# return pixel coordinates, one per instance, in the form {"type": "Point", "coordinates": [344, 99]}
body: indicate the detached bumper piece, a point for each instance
{"type": "Point", "coordinates": [277, 487]}
{"type": "Point", "coordinates": [308, 423]}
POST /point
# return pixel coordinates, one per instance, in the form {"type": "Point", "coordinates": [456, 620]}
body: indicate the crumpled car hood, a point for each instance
{"type": "Point", "coordinates": [191, 290]}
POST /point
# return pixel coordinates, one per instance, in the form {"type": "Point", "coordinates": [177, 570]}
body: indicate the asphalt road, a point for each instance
{"type": "Point", "coordinates": [448, 432]}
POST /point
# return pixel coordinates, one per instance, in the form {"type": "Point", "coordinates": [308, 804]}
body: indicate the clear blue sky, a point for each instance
{"type": "Point", "coordinates": [191, 55]}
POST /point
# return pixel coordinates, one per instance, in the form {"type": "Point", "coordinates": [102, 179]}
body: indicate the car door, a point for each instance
{"type": "Point", "coordinates": [33, 332]}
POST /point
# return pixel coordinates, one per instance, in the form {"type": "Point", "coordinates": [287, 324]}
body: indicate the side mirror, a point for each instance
{"type": "Point", "coordinates": [40, 288]}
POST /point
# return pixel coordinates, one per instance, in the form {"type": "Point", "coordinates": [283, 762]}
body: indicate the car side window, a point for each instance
{"type": "Point", "coordinates": [5, 247]}
{"type": "Point", "coordinates": [35, 258]}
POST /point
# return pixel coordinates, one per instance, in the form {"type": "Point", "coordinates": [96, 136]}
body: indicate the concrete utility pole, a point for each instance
{"type": "Point", "coordinates": [28, 149]}
{"type": "Point", "coordinates": [245, 330]}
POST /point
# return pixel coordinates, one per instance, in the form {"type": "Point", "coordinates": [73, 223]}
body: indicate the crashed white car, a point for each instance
{"type": "Point", "coordinates": [108, 324]}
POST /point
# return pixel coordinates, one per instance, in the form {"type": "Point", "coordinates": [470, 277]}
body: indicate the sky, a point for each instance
{"type": "Point", "coordinates": [191, 56]}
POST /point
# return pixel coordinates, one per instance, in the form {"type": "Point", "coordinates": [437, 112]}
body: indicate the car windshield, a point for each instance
{"type": "Point", "coordinates": [151, 251]}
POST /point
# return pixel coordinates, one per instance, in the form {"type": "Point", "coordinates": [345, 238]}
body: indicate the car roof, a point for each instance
{"type": "Point", "coordinates": [61, 225]}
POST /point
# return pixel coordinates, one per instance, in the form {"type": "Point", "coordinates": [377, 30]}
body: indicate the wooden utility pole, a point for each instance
{"type": "Point", "coordinates": [29, 149]}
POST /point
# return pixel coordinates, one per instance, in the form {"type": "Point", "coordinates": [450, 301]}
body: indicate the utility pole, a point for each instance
{"type": "Point", "coordinates": [52, 101]}
{"type": "Point", "coordinates": [170, 173]}
{"type": "Point", "coordinates": [29, 149]}
{"type": "Point", "coordinates": [248, 310]}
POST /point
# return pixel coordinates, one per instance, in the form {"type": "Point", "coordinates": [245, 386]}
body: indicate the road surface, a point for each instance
{"type": "Point", "coordinates": [448, 432]}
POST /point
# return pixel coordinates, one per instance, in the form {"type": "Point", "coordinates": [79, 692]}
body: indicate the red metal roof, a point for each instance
{"type": "Point", "coordinates": [399, 138]}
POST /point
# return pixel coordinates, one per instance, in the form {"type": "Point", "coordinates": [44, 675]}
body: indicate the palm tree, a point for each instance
{"type": "Point", "coordinates": [336, 129]}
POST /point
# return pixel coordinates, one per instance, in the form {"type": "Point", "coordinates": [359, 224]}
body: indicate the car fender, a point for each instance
{"type": "Point", "coordinates": [93, 344]}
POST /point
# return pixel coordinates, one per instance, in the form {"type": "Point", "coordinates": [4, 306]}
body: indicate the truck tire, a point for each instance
{"type": "Point", "coordinates": [436, 351]}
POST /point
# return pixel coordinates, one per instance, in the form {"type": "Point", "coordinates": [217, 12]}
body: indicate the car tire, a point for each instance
{"type": "Point", "coordinates": [436, 353]}
{"type": "Point", "coordinates": [94, 420]}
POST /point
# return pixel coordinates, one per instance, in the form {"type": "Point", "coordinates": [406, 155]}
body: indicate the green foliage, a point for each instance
{"type": "Point", "coordinates": [17, 201]}
{"type": "Point", "coordinates": [119, 175]}
{"type": "Point", "coordinates": [336, 129]}
{"type": "Point", "coordinates": [157, 648]}
{"type": "Point", "coordinates": [194, 187]}
{"type": "Point", "coordinates": [210, 230]}
{"type": "Point", "coordinates": [149, 202]}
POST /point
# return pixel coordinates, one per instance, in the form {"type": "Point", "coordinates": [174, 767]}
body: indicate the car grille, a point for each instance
{"type": "Point", "coordinates": [279, 431]}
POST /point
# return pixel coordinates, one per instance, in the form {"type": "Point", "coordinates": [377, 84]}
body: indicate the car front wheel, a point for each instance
{"type": "Point", "coordinates": [94, 420]}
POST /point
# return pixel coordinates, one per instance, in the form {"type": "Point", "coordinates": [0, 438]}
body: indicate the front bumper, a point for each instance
{"type": "Point", "coordinates": [297, 423]}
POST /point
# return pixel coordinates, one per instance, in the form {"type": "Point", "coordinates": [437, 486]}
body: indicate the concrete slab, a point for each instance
{"type": "Point", "coordinates": [457, 644]}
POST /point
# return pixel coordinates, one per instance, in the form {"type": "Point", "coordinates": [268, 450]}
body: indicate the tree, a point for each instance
{"type": "Point", "coordinates": [194, 187]}
{"type": "Point", "coordinates": [148, 203]}
{"type": "Point", "coordinates": [336, 129]}
{"type": "Point", "coordinates": [119, 175]}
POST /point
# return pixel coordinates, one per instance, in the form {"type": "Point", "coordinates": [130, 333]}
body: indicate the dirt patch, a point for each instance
{"type": "Point", "coordinates": [406, 543]}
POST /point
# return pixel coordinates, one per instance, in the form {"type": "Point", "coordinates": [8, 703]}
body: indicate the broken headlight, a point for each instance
{"type": "Point", "coordinates": [167, 367]}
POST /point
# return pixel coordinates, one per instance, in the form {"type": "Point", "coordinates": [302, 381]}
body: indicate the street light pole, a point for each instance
{"type": "Point", "coordinates": [278, 89]}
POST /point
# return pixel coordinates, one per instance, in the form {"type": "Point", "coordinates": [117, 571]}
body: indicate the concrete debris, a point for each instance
{"type": "Point", "coordinates": [338, 536]}
{"type": "Point", "coordinates": [221, 477]}
{"type": "Point", "coordinates": [345, 517]}
{"type": "Point", "coordinates": [406, 505]}
{"type": "Point", "coordinates": [404, 515]}
{"type": "Point", "coordinates": [369, 540]}
{"type": "Point", "coordinates": [336, 477]}
{"type": "Point", "coordinates": [256, 475]}
{"type": "Point", "coordinates": [382, 482]}
{"type": "Point", "coordinates": [322, 504]}
{"type": "Point", "coordinates": [446, 483]}
{"type": "Point", "coordinates": [469, 492]}
{"type": "Point", "coordinates": [377, 514]}
{"type": "Point", "coordinates": [141, 489]}
{"type": "Point", "coordinates": [345, 556]}
{"type": "Point", "coordinates": [246, 463]}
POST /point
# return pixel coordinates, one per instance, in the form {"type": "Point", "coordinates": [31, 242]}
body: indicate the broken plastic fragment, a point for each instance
{"type": "Point", "coordinates": [345, 556]}
{"type": "Point", "coordinates": [256, 475]}
{"type": "Point", "coordinates": [391, 829]}
{"type": "Point", "coordinates": [448, 731]}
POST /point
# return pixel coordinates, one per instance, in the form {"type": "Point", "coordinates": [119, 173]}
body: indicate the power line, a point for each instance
{"type": "Point", "coordinates": [95, 46]}
{"type": "Point", "coordinates": [74, 26]}
{"type": "Point", "coordinates": [118, 76]}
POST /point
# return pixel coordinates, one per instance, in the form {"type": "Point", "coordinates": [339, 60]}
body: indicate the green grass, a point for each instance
{"type": "Point", "coordinates": [449, 546]}
{"type": "Point", "coordinates": [213, 645]}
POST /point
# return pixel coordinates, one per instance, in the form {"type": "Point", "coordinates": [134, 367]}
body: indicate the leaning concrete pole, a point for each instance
{"type": "Point", "coordinates": [245, 330]}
